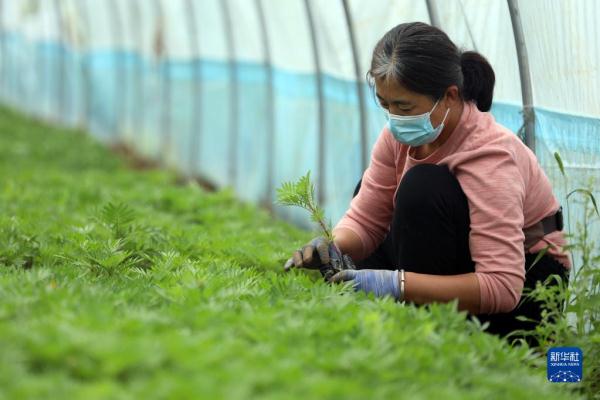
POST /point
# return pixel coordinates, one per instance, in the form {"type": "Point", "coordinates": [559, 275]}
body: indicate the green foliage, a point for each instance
{"type": "Point", "coordinates": [18, 248]}
{"type": "Point", "coordinates": [138, 288]}
{"type": "Point", "coordinates": [589, 194]}
{"type": "Point", "coordinates": [302, 194]}
{"type": "Point", "coordinates": [559, 162]}
{"type": "Point", "coordinates": [573, 307]}
{"type": "Point", "coordinates": [117, 217]}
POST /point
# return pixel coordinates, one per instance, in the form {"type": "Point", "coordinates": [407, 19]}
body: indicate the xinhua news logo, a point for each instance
{"type": "Point", "coordinates": [565, 364]}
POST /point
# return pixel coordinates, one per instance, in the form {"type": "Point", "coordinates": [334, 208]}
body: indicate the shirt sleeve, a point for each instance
{"type": "Point", "coordinates": [371, 210]}
{"type": "Point", "coordinates": [495, 190]}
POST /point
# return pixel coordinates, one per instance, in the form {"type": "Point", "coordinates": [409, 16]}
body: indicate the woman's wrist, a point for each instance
{"type": "Point", "coordinates": [401, 281]}
{"type": "Point", "coordinates": [349, 243]}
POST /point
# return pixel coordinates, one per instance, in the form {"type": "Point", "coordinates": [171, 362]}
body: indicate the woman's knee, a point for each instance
{"type": "Point", "coordinates": [426, 182]}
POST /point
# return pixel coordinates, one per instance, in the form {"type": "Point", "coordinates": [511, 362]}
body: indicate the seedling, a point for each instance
{"type": "Point", "coordinates": [302, 194]}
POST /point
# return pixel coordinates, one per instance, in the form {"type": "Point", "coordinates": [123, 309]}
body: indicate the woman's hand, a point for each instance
{"type": "Point", "coordinates": [381, 282]}
{"type": "Point", "coordinates": [316, 253]}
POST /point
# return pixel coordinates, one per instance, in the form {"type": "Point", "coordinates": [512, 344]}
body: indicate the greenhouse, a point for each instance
{"type": "Point", "coordinates": [165, 165]}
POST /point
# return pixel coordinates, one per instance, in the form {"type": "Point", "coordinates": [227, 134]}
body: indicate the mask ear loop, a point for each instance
{"type": "Point", "coordinates": [444, 120]}
{"type": "Point", "coordinates": [447, 111]}
{"type": "Point", "coordinates": [434, 106]}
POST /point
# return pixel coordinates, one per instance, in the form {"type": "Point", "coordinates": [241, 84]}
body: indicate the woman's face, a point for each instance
{"type": "Point", "coordinates": [398, 100]}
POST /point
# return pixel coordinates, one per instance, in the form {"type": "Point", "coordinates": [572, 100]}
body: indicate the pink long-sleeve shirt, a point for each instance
{"type": "Point", "coordinates": [506, 191]}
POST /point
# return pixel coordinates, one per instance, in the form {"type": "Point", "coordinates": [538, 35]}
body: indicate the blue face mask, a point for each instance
{"type": "Point", "coordinates": [415, 130]}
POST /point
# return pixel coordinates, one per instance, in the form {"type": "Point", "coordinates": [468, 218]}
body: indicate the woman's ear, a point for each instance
{"type": "Point", "coordinates": [452, 95]}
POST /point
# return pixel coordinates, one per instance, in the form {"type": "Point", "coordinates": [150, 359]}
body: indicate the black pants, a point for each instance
{"type": "Point", "coordinates": [429, 234]}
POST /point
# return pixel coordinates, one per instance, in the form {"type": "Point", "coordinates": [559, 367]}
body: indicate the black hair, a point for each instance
{"type": "Point", "coordinates": [422, 58]}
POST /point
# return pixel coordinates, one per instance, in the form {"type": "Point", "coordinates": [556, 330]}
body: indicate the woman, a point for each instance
{"type": "Point", "coordinates": [453, 205]}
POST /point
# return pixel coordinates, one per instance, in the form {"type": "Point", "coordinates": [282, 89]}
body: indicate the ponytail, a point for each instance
{"type": "Point", "coordinates": [478, 79]}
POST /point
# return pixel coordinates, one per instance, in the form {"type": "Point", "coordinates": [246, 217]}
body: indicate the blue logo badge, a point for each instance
{"type": "Point", "coordinates": [565, 364]}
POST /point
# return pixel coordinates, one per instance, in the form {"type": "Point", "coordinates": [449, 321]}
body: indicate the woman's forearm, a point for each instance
{"type": "Point", "coordinates": [425, 288]}
{"type": "Point", "coordinates": [349, 243]}
{"type": "Point", "coordinates": [422, 288]}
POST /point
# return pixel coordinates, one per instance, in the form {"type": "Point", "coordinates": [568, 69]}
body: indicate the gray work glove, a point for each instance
{"type": "Point", "coordinates": [320, 254]}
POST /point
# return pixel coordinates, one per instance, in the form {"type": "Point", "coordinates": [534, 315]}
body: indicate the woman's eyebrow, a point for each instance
{"type": "Point", "coordinates": [398, 101]}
